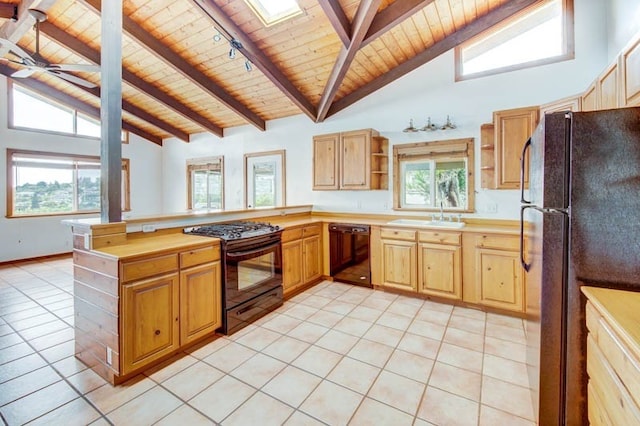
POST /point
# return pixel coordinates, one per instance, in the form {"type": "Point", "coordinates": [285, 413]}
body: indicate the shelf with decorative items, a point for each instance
{"type": "Point", "coordinates": [429, 127]}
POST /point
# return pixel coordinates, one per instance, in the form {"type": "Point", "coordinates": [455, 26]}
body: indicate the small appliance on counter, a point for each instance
{"type": "Point", "coordinates": [349, 253]}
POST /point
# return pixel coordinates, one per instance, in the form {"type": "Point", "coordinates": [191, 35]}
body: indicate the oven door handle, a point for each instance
{"type": "Point", "coordinates": [240, 255]}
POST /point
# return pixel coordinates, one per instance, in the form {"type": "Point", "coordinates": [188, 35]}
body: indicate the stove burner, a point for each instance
{"type": "Point", "coordinates": [233, 230]}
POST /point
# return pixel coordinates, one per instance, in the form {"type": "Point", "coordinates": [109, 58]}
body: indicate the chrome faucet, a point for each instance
{"type": "Point", "coordinates": [441, 212]}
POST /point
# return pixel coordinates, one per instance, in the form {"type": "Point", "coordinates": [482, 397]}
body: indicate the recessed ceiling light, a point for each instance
{"type": "Point", "coordinates": [271, 12]}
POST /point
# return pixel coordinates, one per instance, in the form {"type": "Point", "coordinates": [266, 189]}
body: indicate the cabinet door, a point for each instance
{"type": "Point", "coordinates": [630, 74]}
{"type": "Point", "coordinates": [355, 159]}
{"type": "Point", "coordinates": [608, 88]}
{"type": "Point", "coordinates": [590, 99]}
{"type": "Point", "coordinates": [200, 303]}
{"type": "Point", "coordinates": [312, 261]}
{"type": "Point", "coordinates": [439, 271]}
{"type": "Point", "coordinates": [325, 161]}
{"type": "Point", "coordinates": [149, 320]}
{"type": "Point", "coordinates": [512, 129]}
{"type": "Point", "coordinates": [399, 264]}
{"type": "Point", "coordinates": [499, 275]}
{"type": "Point", "coordinates": [292, 276]}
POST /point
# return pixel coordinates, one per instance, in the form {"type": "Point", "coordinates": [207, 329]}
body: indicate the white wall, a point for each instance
{"type": "Point", "coordinates": [623, 21]}
{"type": "Point", "coordinates": [427, 91]}
{"type": "Point", "coordinates": [31, 237]}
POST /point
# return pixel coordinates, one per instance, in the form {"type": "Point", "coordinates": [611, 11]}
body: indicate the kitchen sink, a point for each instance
{"type": "Point", "coordinates": [427, 223]}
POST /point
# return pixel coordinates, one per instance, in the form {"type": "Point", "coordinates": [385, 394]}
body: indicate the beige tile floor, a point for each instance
{"type": "Point", "coordinates": [335, 354]}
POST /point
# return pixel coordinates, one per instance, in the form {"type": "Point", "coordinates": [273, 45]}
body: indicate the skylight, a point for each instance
{"type": "Point", "coordinates": [272, 12]}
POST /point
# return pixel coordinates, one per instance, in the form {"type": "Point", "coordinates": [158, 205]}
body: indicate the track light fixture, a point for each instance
{"type": "Point", "coordinates": [429, 127]}
{"type": "Point", "coordinates": [217, 37]}
{"type": "Point", "coordinates": [247, 65]}
{"type": "Point", "coordinates": [235, 46]}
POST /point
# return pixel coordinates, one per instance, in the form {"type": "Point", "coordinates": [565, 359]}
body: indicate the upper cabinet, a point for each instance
{"type": "Point", "coordinates": [571, 103]}
{"type": "Point", "coordinates": [512, 128]}
{"type": "Point", "coordinates": [350, 160]}
{"type": "Point", "coordinates": [607, 88]}
{"type": "Point", "coordinates": [629, 63]}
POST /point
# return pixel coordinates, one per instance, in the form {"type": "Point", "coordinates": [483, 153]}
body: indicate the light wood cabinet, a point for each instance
{"type": "Point", "coordinates": [607, 88]}
{"type": "Point", "coordinates": [200, 301]}
{"type": "Point", "coordinates": [512, 129]}
{"type": "Point", "coordinates": [496, 272]}
{"type": "Point", "coordinates": [613, 356]}
{"type": "Point", "coordinates": [571, 103]}
{"type": "Point", "coordinates": [439, 264]}
{"type": "Point", "coordinates": [150, 320]}
{"type": "Point", "coordinates": [399, 259]}
{"type": "Point", "coordinates": [355, 160]}
{"type": "Point", "coordinates": [630, 74]}
{"type": "Point", "coordinates": [487, 157]}
{"type": "Point", "coordinates": [590, 99]}
{"type": "Point", "coordinates": [301, 257]}
{"type": "Point", "coordinates": [325, 165]}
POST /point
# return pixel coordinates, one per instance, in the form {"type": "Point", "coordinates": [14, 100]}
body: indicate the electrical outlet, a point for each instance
{"type": "Point", "coordinates": [148, 228]}
{"type": "Point", "coordinates": [359, 205]}
{"type": "Point", "coordinates": [109, 356]}
{"type": "Point", "coordinates": [492, 207]}
{"type": "Point", "coordinates": [87, 242]}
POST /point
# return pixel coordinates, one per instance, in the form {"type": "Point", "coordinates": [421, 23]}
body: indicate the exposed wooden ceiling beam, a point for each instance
{"type": "Point", "coordinates": [471, 30]}
{"type": "Point", "coordinates": [361, 23]}
{"type": "Point", "coordinates": [338, 19]}
{"type": "Point", "coordinates": [7, 10]}
{"type": "Point", "coordinates": [167, 55]}
{"type": "Point", "coordinates": [256, 56]}
{"type": "Point", "coordinates": [13, 31]}
{"type": "Point", "coordinates": [391, 16]}
{"type": "Point", "coordinates": [72, 43]}
{"type": "Point", "coordinates": [90, 110]}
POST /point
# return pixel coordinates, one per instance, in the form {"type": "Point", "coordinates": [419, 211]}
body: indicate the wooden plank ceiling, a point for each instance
{"type": "Point", "coordinates": [177, 80]}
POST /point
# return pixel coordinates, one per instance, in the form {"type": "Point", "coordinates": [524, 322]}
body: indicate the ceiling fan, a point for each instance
{"type": "Point", "coordinates": [36, 63]}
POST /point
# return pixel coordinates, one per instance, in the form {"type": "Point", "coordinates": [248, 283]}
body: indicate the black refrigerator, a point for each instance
{"type": "Point", "coordinates": [582, 219]}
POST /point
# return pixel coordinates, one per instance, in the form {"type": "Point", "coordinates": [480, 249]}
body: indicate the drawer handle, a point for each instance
{"type": "Point", "coordinates": [157, 333]}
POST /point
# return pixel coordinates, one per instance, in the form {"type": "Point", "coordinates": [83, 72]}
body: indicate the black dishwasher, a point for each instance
{"type": "Point", "coordinates": [349, 253]}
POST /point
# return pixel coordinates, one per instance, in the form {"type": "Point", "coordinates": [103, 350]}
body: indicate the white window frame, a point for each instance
{"type": "Point", "coordinates": [437, 151]}
{"type": "Point", "coordinates": [73, 161]}
{"type": "Point", "coordinates": [74, 114]}
{"type": "Point", "coordinates": [213, 164]}
{"type": "Point", "coordinates": [506, 30]}
{"type": "Point", "coordinates": [250, 162]}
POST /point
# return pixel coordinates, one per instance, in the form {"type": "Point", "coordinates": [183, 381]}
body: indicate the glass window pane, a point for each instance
{"type": "Point", "coordinates": [264, 184]}
{"type": "Point", "coordinates": [451, 181]}
{"type": "Point", "coordinates": [200, 195]}
{"type": "Point", "coordinates": [214, 189]}
{"type": "Point", "coordinates": [35, 113]}
{"type": "Point", "coordinates": [417, 183]}
{"type": "Point", "coordinates": [87, 127]}
{"type": "Point", "coordinates": [88, 189]}
{"type": "Point", "coordinates": [42, 190]}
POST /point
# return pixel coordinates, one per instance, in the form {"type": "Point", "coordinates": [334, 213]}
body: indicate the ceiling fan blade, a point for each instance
{"type": "Point", "coordinates": [75, 67]}
{"type": "Point", "coordinates": [28, 72]}
{"type": "Point", "coordinates": [72, 78]}
{"type": "Point", "coordinates": [14, 48]}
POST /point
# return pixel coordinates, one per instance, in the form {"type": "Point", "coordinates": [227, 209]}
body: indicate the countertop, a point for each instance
{"type": "Point", "coordinates": [622, 310]}
{"type": "Point", "coordinates": [155, 244]}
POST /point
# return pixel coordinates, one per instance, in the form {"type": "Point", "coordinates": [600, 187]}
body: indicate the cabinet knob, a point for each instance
{"type": "Point", "coordinates": [489, 268]}
{"type": "Point", "coordinates": [157, 333]}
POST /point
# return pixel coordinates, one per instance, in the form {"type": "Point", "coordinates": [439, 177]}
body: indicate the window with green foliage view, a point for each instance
{"type": "Point", "coordinates": [429, 175]}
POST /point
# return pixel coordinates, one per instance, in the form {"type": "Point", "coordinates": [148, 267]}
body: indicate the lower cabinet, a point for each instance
{"type": "Point", "coordinates": [200, 307]}
{"type": "Point", "coordinates": [497, 272]}
{"type": "Point", "coordinates": [399, 259]}
{"type": "Point", "coordinates": [440, 264]}
{"type": "Point", "coordinates": [159, 313]}
{"type": "Point", "coordinates": [301, 256]}
{"type": "Point", "coordinates": [150, 320]}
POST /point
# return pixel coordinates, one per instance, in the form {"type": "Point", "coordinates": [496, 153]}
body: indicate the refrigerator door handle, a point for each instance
{"type": "Point", "coordinates": [522, 163]}
{"type": "Point", "coordinates": [523, 262]}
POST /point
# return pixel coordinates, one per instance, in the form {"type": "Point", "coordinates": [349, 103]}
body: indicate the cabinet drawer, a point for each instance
{"type": "Point", "coordinates": [291, 234]}
{"type": "Point", "coordinates": [310, 230]}
{"type": "Point", "coordinates": [398, 234]}
{"type": "Point", "coordinates": [149, 267]}
{"type": "Point", "coordinates": [440, 237]}
{"type": "Point", "coordinates": [593, 318]}
{"type": "Point", "coordinates": [199, 256]}
{"type": "Point", "coordinates": [500, 242]}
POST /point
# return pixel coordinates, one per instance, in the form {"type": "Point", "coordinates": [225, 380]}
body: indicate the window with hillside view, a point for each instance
{"type": "Point", "coordinates": [541, 34]}
{"type": "Point", "coordinates": [41, 184]}
{"type": "Point", "coordinates": [205, 177]}
{"type": "Point", "coordinates": [430, 173]}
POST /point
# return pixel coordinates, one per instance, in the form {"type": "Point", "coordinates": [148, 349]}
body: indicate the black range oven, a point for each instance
{"type": "Point", "coordinates": [252, 270]}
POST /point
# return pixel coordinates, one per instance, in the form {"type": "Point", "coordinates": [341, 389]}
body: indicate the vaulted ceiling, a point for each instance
{"type": "Point", "coordinates": [177, 80]}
